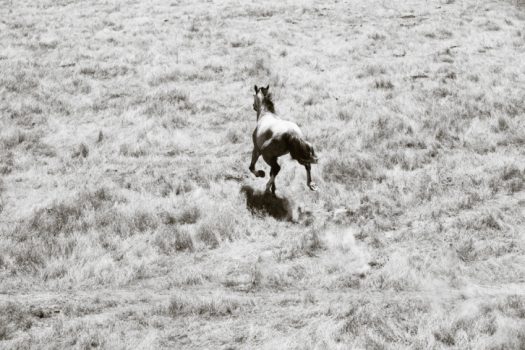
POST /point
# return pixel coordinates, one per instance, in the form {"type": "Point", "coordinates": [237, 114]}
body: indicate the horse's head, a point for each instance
{"type": "Point", "coordinates": [262, 98]}
{"type": "Point", "coordinates": [258, 97]}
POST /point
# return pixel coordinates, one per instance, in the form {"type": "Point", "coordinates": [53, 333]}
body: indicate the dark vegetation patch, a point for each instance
{"type": "Point", "coordinates": [483, 320]}
{"type": "Point", "coordinates": [390, 321]}
{"type": "Point", "coordinates": [509, 178]}
{"type": "Point", "coordinates": [50, 231]}
{"type": "Point", "coordinates": [383, 84]}
{"type": "Point", "coordinates": [103, 72]}
{"type": "Point", "coordinates": [29, 141]}
{"type": "Point", "coordinates": [168, 101]}
{"type": "Point", "coordinates": [183, 305]}
{"type": "Point", "coordinates": [173, 239]}
{"type": "Point", "coordinates": [352, 170]}
{"type": "Point", "coordinates": [379, 210]}
{"type": "Point", "coordinates": [14, 317]}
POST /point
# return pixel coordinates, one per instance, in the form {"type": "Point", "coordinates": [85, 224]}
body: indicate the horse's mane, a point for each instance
{"type": "Point", "coordinates": [268, 103]}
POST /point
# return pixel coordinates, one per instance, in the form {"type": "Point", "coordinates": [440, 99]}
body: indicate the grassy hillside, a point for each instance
{"type": "Point", "coordinates": [129, 219]}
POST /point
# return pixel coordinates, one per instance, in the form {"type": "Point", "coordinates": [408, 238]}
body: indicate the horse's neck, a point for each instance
{"type": "Point", "coordinates": [263, 112]}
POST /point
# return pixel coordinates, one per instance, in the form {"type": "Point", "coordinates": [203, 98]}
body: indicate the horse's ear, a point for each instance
{"type": "Point", "coordinates": [256, 88]}
{"type": "Point", "coordinates": [267, 87]}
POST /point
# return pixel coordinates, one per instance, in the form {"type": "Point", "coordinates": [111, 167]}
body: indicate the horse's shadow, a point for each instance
{"type": "Point", "coordinates": [261, 202]}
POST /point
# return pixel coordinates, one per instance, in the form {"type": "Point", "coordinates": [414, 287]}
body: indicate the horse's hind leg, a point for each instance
{"type": "Point", "coordinates": [309, 182]}
{"type": "Point", "coordinates": [270, 186]}
{"type": "Point", "coordinates": [255, 156]}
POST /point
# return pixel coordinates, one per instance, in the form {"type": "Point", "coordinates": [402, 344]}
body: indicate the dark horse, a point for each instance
{"type": "Point", "coordinates": [274, 137]}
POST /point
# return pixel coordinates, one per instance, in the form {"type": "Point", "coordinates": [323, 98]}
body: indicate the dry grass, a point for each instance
{"type": "Point", "coordinates": [129, 219]}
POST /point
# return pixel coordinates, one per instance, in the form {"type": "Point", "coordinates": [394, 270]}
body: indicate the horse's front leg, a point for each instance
{"type": "Point", "coordinates": [255, 156]}
{"type": "Point", "coordinates": [309, 181]}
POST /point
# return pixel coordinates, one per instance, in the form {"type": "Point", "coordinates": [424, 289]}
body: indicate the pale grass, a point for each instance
{"type": "Point", "coordinates": [127, 213]}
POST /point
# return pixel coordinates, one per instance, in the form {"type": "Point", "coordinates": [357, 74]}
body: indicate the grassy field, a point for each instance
{"type": "Point", "coordinates": [129, 218]}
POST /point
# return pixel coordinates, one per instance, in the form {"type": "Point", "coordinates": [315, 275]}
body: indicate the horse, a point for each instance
{"type": "Point", "coordinates": [274, 137]}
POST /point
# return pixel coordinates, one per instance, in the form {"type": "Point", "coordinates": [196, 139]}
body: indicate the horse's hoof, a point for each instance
{"type": "Point", "coordinates": [313, 187]}
{"type": "Point", "coordinates": [260, 173]}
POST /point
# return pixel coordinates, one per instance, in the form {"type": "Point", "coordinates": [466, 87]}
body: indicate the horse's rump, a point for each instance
{"type": "Point", "coordinates": [300, 150]}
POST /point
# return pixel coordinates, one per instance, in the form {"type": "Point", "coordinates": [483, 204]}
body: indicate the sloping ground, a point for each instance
{"type": "Point", "coordinates": [128, 217]}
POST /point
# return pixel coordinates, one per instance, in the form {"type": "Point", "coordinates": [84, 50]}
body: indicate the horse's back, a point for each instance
{"type": "Point", "coordinates": [269, 134]}
{"type": "Point", "coordinates": [276, 126]}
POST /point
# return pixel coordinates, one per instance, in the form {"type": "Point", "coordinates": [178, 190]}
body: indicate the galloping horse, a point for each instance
{"type": "Point", "coordinates": [274, 137]}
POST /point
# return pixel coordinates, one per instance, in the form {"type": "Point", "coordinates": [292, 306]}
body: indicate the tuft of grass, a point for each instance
{"type": "Point", "coordinates": [57, 218]}
{"type": "Point", "coordinates": [101, 71]}
{"type": "Point", "coordinates": [173, 240]}
{"type": "Point", "coordinates": [166, 77]}
{"type": "Point", "coordinates": [13, 139]}
{"type": "Point", "coordinates": [503, 124]}
{"type": "Point", "coordinates": [177, 121]}
{"type": "Point", "coordinates": [144, 220]}
{"type": "Point", "coordinates": [87, 210]}
{"type": "Point", "coordinates": [169, 101]}
{"type": "Point", "coordinates": [344, 114]}
{"type": "Point", "coordinates": [23, 81]}
{"type": "Point", "coordinates": [353, 170]}
{"type": "Point", "coordinates": [234, 136]}
{"type": "Point", "coordinates": [390, 331]}
{"type": "Point", "coordinates": [189, 214]}
{"type": "Point", "coordinates": [259, 68]}
{"type": "Point", "coordinates": [261, 12]}
{"type": "Point", "coordinates": [217, 306]}
{"type": "Point", "coordinates": [208, 234]}
{"type": "Point", "coordinates": [135, 150]}
{"type": "Point", "coordinates": [242, 42]}
{"type": "Point", "coordinates": [488, 319]}
{"type": "Point", "coordinates": [308, 244]}
{"type": "Point", "coordinates": [377, 36]}
{"type": "Point", "coordinates": [81, 151]}
{"type": "Point", "coordinates": [218, 224]}
{"type": "Point", "coordinates": [186, 214]}
{"type": "Point", "coordinates": [383, 84]}
{"type": "Point", "coordinates": [491, 26]}
{"type": "Point", "coordinates": [509, 178]}
{"type": "Point", "coordinates": [28, 141]}
{"type": "Point", "coordinates": [466, 250]}
{"type": "Point", "coordinates": [6, 162]}
{"type": "Point", "coordinates": [2, 189]}
{"type": "Point", "coordinates": [372, 71]}
{"type": "Point", "coordinates": [13, 318]}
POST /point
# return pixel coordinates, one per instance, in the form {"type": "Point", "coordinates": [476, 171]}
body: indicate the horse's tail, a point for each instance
{"type": "Point", "coordinates": [300, 150]}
